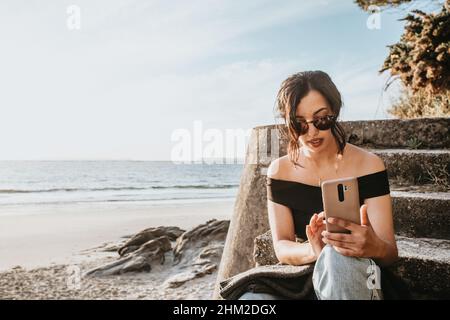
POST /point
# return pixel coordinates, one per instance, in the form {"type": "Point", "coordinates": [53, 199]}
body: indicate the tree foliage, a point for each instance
{"type": "Point", "coordinates": [365, 4]}
{"type": "Point", "coordinates": [422, 56]}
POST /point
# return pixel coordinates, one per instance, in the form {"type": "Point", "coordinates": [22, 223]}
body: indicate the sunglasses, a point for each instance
{"type": "Point", "coordinates": [321, 123]}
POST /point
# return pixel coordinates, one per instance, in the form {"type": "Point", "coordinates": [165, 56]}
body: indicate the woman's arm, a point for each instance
{"type": "Point", "coordinates": [379, 211]}
{"type": "Point", "coordinates": [287, 250]}
{"type": "Point", "coordinates": [281, 223]}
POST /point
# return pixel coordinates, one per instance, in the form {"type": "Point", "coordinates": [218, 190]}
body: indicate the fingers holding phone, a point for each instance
{"type": "Point", "coordinates": [361, 242]}
{"type": "Point", "coordinates": [314, 233]}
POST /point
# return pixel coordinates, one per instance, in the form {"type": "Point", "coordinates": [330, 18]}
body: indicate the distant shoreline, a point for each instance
{"type": "Point", "coordinates": [8, 209]}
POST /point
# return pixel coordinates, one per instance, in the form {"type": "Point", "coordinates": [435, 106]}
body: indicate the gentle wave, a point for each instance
{"type": "Point", "coordinates": [218, 186]}
{"type": "Point", "coordinates": [155, 200]}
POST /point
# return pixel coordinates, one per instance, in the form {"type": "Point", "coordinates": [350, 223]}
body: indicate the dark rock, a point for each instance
{"type": "Point", "coordinates": [140, 260]}
{"type": "Point", "coordinates": [199, 238]}
{"type": "Point", "coordinates": [172, 233]}
{"type": "Point", "coordinates": [198, 252]}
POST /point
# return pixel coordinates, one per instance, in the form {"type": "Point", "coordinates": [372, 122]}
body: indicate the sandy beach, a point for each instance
{"type": "Point", "coordinates": [40, 246]}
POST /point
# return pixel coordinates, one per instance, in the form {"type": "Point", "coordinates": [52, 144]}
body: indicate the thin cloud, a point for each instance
{"type": "Point", "coordinates": [137, 70]}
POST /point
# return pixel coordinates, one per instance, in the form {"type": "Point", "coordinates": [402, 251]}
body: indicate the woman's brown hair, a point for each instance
{"type": "Point", "coordinates": [292, 90]}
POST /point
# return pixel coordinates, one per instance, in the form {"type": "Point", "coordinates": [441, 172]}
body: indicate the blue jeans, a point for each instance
{"type": "Point", "coordinates": [337, 277]}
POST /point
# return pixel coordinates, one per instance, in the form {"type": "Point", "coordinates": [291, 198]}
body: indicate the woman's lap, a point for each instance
{"type": "Point", "coordinates": [338, 277]}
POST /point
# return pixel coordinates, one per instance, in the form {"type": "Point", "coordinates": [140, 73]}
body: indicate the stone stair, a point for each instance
{"type": "Point", "coordinates": [424, 264]}
{"type": "Point", "coordinates": [417, 156]}
{"type": "Point", "coordinates": [420, 214]}
{"type": "Point", "coordinates": [416, 167]}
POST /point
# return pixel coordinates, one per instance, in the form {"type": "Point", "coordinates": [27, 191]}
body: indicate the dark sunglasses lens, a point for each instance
{"type": "Point", "coordinates": [324, 123]}
{"type": "Point", "coordinates": [301, 126]}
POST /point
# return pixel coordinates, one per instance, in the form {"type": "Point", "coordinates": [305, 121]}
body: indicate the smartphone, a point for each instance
{"type": "Point", "coordinates": [341, 200]}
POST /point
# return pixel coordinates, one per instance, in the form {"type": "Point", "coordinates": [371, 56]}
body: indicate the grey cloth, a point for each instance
{"type": "Point", "coordinates": [259, 296]}
{"type": "Point", "coordinates": [281, 280]}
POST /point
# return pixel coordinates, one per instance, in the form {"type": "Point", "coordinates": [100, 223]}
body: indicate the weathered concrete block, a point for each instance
{"type": "Point", "coordinates": [267, 143]}
{"type": "Point", "coordinates": [404, 165]}
{"type": "Point", "coordinates": [425, 133]}
{"type": "Point", "coordinates": [249, 219]}
{"type": "Point", "coordinates": [416, 167]}
{"type": "Point", "coordinates": [424, 264]}
{"type": "Point", "coordinates": [421, 215]}
{"type": "Point", "coordinates": [264, 253]}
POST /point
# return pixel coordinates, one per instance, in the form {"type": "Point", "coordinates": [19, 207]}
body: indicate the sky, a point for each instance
{"type": "Point", "coordinates": [115, 79]}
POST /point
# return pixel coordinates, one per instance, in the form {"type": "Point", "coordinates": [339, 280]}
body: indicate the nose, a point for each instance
{"type": "Point", "coordinates": [312, 130]}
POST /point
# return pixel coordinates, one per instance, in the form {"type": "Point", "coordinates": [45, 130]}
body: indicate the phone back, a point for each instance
{"type": "Point", "coordinates": [341, 200]}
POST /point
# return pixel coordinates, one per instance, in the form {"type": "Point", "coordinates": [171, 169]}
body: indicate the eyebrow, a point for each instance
{"type": "Point", "coordinates": [314, 112]}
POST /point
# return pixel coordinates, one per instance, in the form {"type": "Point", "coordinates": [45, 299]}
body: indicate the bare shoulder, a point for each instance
{"type": "Point", "coordinates": [367, 161]}
{"type": "Point", "coordinates": [278, 167]}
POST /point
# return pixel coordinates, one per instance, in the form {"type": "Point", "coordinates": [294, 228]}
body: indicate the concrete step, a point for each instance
{"type": "Point", "coordinates": [405, 166]}
{"type": "Point", "coordinates": [424, 133]}
{"type": "Point", "coordinates": [421, 215]}
{"type": "Point", "coordinates": [269, 142]}
{"type": "Point", "coordinates": [424, 265]}
{"type": "Point", "coordinates": [418, 154]}
{"type": "Point", "coordinates": [416, 167]}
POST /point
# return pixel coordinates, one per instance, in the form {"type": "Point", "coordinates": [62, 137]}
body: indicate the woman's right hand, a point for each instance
{"type": "Point", "coordinates": [314, 233]}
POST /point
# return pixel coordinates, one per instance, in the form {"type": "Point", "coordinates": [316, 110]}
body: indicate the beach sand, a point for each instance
{"type": "Point", "coordinates": [39, 247]}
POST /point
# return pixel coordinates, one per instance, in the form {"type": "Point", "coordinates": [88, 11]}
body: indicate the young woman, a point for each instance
{"type": "Point", "coordinates": [345, 264]}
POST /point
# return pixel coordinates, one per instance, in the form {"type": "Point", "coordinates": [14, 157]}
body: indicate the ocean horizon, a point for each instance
{"type": "Point", "coordinates": [40, 182]}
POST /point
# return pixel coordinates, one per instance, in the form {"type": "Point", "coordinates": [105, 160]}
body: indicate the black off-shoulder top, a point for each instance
{"type": "Point", "coordinates": [304, 200]}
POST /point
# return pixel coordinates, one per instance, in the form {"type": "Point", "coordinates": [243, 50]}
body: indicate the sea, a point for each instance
{"type": "Point", "coordinates": [68, 182]}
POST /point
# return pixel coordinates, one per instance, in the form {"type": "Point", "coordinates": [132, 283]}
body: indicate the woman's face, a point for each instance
{"type": "Point", "coordinates": [314, 105]}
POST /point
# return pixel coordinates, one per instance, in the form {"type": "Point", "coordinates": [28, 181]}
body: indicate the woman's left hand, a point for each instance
{"type": "Point", "coordinates": [362, 242]}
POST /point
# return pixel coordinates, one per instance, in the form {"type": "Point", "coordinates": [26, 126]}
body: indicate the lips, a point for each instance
{"type": "Point", "coordinates": [315, 143]}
